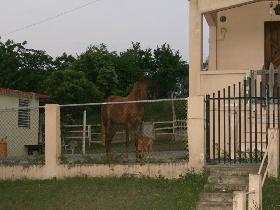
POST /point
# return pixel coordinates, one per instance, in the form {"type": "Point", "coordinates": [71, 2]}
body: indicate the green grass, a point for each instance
{"type": "Point", "coordinates": [271, 194]}
{"type": "Point", "coordinates": [102, 193]}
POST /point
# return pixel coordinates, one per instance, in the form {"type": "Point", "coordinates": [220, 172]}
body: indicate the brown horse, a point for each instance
{"type": "Point", "coordinates": [130, 115]}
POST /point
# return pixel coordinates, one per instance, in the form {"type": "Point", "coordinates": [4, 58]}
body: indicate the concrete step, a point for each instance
{"type": "Point", "coordinates": [215, 197]}
{"type": "Point", "coordinates": [213, 187]}
{"type": "Point", "coordinates": [232, 170]}
{"type": "Point", "coordinates": [225, 179]}
{"type": "Point", "coordinates": [212, 205]}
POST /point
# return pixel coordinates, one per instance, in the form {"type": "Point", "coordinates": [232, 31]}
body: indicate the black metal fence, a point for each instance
{"type": "Point", "coordinates": [237, 120]}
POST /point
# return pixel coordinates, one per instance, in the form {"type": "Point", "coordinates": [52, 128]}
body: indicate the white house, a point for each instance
{"type": "Point", "coordinates": [243, 36]}
{"type": "Point", "coordinates": [20, 127]}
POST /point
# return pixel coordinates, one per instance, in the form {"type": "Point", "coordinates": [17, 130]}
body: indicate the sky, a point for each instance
{"type": "Point", "coordinates": [114, 22]}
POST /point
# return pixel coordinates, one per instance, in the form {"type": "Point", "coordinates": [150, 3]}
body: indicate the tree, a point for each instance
{"type": "Point", "coordinates": [22, 68]}
{"type": "Point", "coordinates": [107, 80]}
{"type": "Point", "coordinates": [169, 73]}
{"type": "Point", "coordinates": [9, 62]}
{"type": "Point", "coordinates": [69, 86]}
{"type": "Point", "coordinates": [93, 60]}
{"type": "Point", "coordinates": [132, 66]}
{"type": "Point", "coordinates": [64, 61]}
{"type": "Point", "coordinates": [95, 74]}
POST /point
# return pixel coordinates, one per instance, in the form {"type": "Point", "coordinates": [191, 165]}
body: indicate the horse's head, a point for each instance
{"type": "Point", "coordinates": [141, 89]}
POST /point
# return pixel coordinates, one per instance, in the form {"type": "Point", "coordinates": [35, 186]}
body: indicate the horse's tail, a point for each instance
{"type": "Point", "coordinates": [103, 135]}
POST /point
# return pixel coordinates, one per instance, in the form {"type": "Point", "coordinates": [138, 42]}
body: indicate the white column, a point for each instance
{"type": "Point", "coordinates": [196, 133]}
{"type": "Point", "coordinates": [273, 153]}
{"type": "Point", "coordinates": [255, 191]}
{"type": "Point", "coordinates": [52, 137]}
{"type": "Point", "coordinates": [195, 47]}
{"type": "Point", "coordinates": [239, 200]}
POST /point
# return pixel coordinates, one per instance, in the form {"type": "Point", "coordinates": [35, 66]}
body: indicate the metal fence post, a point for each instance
{"type": "Point", "coordinates": [207, 122]}
{"type": "Point", "coordinates": [89, 135]}
{"type": "Point", "coordinates": [84, 131]}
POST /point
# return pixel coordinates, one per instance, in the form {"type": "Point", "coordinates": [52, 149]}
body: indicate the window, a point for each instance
{"type": "Point", "coordinates": [23, 114]}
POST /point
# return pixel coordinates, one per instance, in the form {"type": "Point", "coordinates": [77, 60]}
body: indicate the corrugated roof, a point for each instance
{"type": "Point", "coordinates": [8, 91]}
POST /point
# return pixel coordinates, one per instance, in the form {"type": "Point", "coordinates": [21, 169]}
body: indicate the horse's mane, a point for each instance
{"type": "Point", "coordinates": [139, 91]}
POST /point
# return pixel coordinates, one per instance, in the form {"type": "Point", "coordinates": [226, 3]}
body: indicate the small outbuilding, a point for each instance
{"type": "Point", "coordinates": [21, 120]}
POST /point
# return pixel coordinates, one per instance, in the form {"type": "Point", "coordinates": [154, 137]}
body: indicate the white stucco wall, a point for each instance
{"type": "Point", "coordinates": [243, 45]}
{"type": "Point", "coordinates": [17, 137]}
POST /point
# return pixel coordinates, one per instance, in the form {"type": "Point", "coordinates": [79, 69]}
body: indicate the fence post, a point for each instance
{"type": "Point", "coordinates": [84, 132]}
{"type": "Point", "coordinates": [239, 200]}
{"type": "Point", "coordinates": [255, 191]}
{"type": "Point", "coordinates": [52, 137]}
{"type": "Point", "coordinates": [196, 132]}
{"type": "Point", "coordinates": [273, 153]}
{"type": "Point", "coordinates": [89, 135]}
{"type": "Point", "coordinates": [174, 117]}
{"type": "Point", "coordinates": [271, 79]}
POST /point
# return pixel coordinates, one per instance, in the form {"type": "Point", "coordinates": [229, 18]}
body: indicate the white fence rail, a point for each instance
{"type": "Point", "coordinates": [85, 133]}
{"type": "Point", "coordinates": [176, 128]}
{"type": "Point", "coordinates": [179, 127]}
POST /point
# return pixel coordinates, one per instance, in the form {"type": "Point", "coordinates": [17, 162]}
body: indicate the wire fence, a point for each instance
{"type": "Point", "coordinates": [22, 136]}
{"type": "Point", "coordinates": [152, 130]}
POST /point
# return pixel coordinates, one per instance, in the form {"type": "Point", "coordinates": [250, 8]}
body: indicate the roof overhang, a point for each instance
{"type": "Point", "coordinates": [7, 91]}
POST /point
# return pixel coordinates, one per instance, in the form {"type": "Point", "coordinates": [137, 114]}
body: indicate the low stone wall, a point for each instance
{"type": "Point", "coordinates": [166, 170]}
{"type": "Point", "coordinates": [54, 169]}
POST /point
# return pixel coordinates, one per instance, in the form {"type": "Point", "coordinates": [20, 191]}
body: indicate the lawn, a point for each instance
{"type": "Point", "coordinates": [271, 197]}
{"type": "Point", "coordinates": [102, 193]}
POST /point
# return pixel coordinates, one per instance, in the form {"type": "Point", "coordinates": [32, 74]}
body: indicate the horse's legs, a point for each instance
{"type": "Point", "coordinates": [108, 139]}
{"type": "Point", "coordinates": [151, 148]}
{"type": "Point", "coordinates": [137, 136]}
{"type": "Point", "coordinates": [112, 135]}
{"type": "Point", "coordinates": [107, 143]}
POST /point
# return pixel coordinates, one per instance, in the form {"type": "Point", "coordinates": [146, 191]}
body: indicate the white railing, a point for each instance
{"type": "Point", "coordinates": [81, 134]}
{"type": "Point", "coordinates": [84, 132]}
{"type": "Point", "coordinates": [171, 126]}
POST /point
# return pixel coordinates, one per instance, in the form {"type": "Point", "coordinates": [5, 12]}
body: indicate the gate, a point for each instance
{"type": "Point", "coordinates": [238, 118]}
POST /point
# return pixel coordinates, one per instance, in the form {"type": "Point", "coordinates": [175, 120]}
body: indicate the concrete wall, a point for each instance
{"type": "Point", "coordinates": [212, 81]}
{"type": "Point", "coordinates": [17, 137]}
{"type": "Point", "coordinates": [167, 170]}
{"type": "Point", "coordinates": [53, 167]}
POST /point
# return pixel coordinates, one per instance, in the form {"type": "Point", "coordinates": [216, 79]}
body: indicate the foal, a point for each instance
{"type": "Point", "coordinates": [144, 144]}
